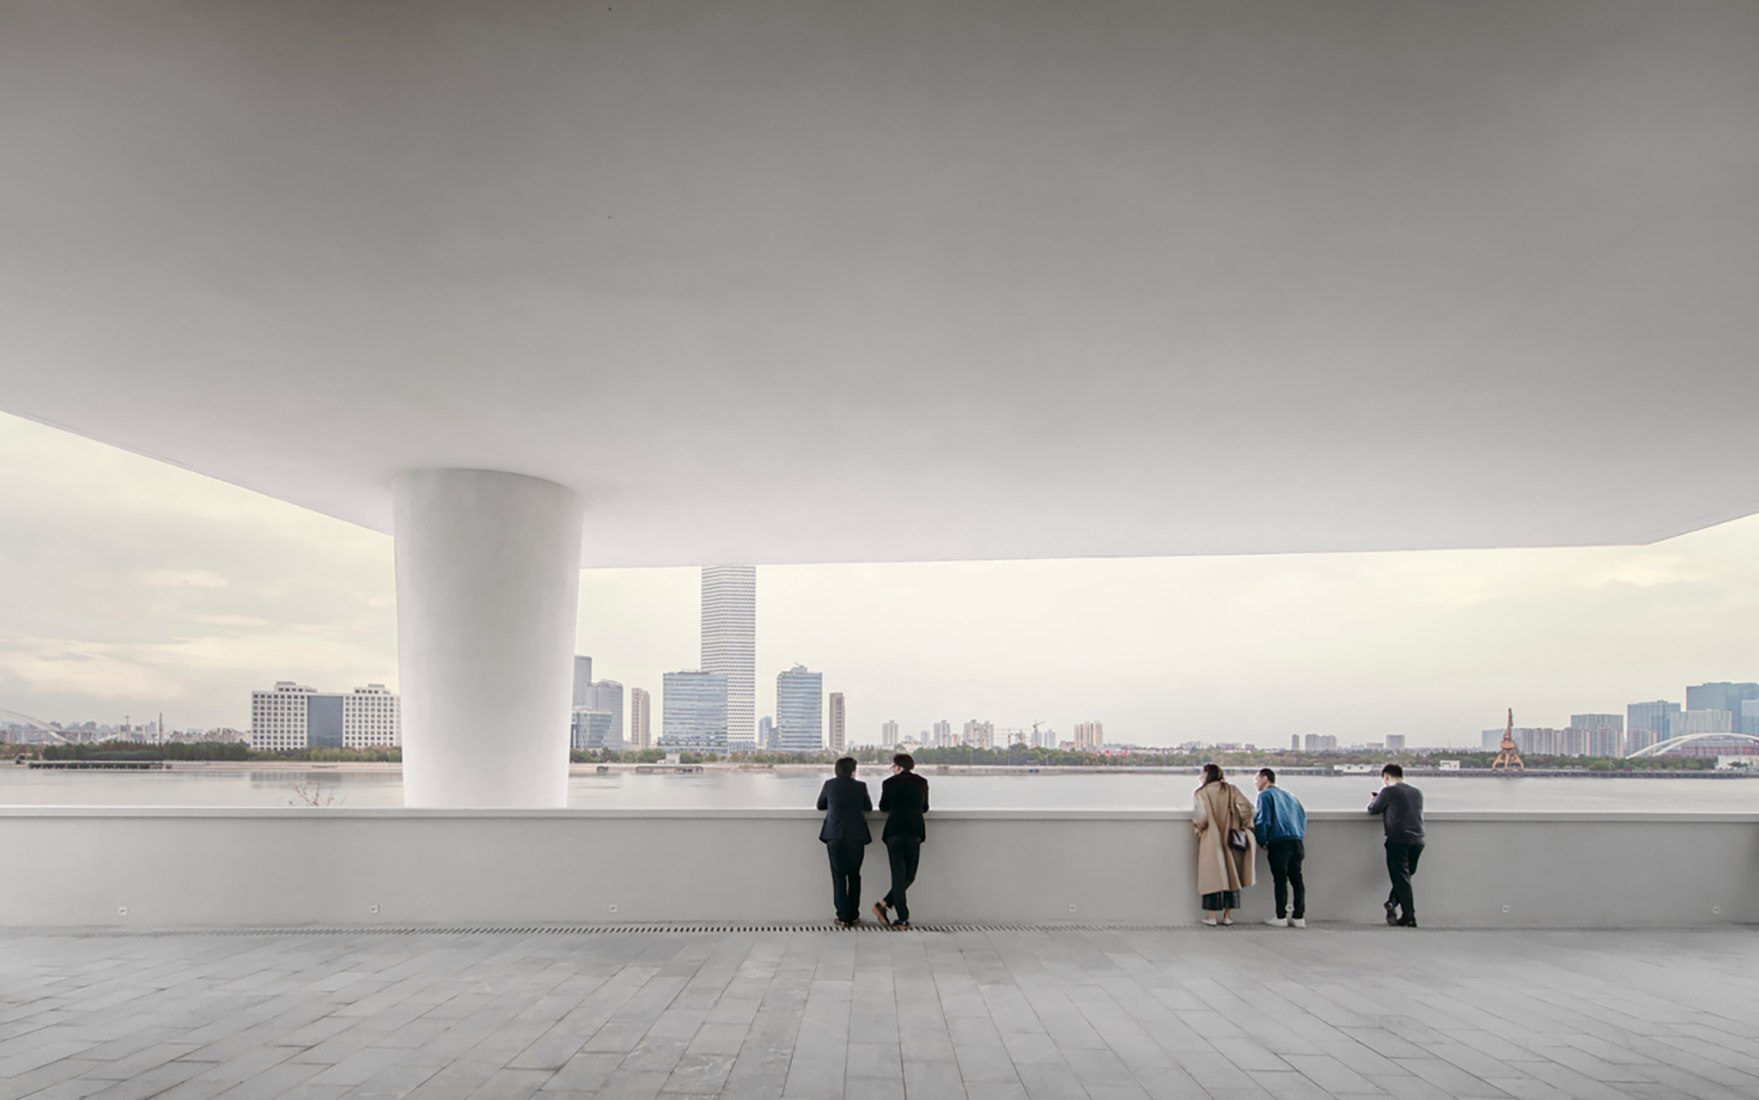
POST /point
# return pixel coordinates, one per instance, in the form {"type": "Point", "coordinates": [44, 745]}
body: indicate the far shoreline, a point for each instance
{"type": "Point", "coordinates": [1022, 770]}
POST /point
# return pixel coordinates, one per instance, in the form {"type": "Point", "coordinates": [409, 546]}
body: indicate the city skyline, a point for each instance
{"type": "Point", "coordinates": [133, 587]}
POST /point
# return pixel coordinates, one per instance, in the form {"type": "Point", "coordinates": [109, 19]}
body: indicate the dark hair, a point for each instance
{"type": "Point", "coordinates": [1393, 770]}
{"type": "Point", "coordinates": [846, 767]}
{"type": "Point", "coordinates": [1212, 773]}
{"type": "Point", "coordinates": [1269, 776]}
{"type": "Point", "coordinates": [906, 761]}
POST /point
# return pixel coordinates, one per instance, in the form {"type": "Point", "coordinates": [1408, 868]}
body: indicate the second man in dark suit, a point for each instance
{"type": "Point", "coordinates": [845, 802]}
{"type": "Point", "coordinates": [904, 799]}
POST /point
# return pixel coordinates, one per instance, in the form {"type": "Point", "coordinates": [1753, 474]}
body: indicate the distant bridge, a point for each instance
{"type": "Point", "coordinates": [13, 717]}
{"type": "Point", "coordinates": [1662, 748]}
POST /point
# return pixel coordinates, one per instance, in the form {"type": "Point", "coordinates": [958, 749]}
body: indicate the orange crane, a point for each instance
{"type": "Point", "coordinates": [1509, 759]}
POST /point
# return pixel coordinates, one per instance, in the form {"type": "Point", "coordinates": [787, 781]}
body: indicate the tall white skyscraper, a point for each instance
{"type": "Point", "coordinates": [889, 733]}
{"type": "Point", "coordinates": [1089, 735]}
{"type": "Point", "coordinates": [641, 717]}
{"type": "Point", "coordinates": [729, 644]}
{"type": "Point", "coordinates": [800, 724]}
{"type": "Point", "coordinates": [839, 730]}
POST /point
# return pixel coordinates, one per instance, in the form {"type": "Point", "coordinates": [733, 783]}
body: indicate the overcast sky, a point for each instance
{"type": "Point", "coordinates": [129, 587]}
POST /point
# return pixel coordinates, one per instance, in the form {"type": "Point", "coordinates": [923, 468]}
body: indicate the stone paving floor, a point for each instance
{"type": "Point", "coordinates": [1225, 1014]}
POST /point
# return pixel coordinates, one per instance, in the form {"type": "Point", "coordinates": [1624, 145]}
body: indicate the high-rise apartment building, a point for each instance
{"type": "Point", "coordinates": [1089, 735]}
{"type": "Point", "coordinates": [1721, 696]}
{"type": "Point", "coordinates": [766, 733]}
{"type": "Point", "coordinates": [942, 734]}
{"type": "Point", "coordinates": [641, 716]}
{"type": "Point", "coordinates": [1045, 738]}
{"type": "Point", "coordinates": [889, 733]}
{"type": "Point", "coordinates": [693, 711]}
{"type": "Point", "coordinates": [291, 716]}
{"type": "Point", "coordinates": [582, 679]}
{"type": "Point", "coordinates": [839, 730]}
{"type": "Point", "coordinates": [980, 735]}
{"type": "Point", "coordinates": [1395, 742]}
{"type": "Point", "coordinates": [607, 695]}
{"type": "Point", "coordinates": [1750, 716]}
{"type": "Point", "coordinates": [1605, 733]}
{"type": "Point", "coordinates": [1649, 722]}
{"type": "Point", "coordinates": [1294, 742]}
{"type": "Point", "coordinates": [800, 725]}
{"type": "Point", "coordinates": [729, 643]}
{"type": "Point", "coordinates": [1543, 741]}
{"type": "Point", "coordinates": [1322, 742]}
{"type": "Point", "coordinates": [1709, 720]}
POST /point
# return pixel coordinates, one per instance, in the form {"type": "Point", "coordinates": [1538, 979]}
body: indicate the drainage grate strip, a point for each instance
{"type": "Point", "coordinates": [652, 929]}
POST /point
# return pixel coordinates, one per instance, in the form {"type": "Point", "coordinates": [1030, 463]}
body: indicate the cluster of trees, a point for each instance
{"type": "Point", "coordinates": [606, 756]}
{"type": "Point", "coordinates": [1021, 756]}
{"type": "Point", "coordinates": [1015, 756]}
{"type": "Point", "coordinates": [210, 750]}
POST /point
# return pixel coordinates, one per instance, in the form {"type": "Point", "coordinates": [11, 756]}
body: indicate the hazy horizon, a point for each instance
{"type": "Point", "coordinates": [132, 586]}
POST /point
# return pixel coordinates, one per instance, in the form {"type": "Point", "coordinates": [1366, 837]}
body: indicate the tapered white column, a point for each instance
{"type": "Point", "coordinates": [488, 584]}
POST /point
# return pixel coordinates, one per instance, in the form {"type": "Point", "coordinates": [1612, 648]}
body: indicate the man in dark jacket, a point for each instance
{"type": "Point", "coordinates": [1401, 808]}
{"type": "Point", "coordinates": [904, 798]}
{"type": "Point", "coordinates": [845, 803]}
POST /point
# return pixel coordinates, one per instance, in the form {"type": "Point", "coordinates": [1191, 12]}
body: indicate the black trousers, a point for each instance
{"type": "Point", "coordinates": [1401, 864]}
{"type": "Point", "coordinates": [1286, 857]}
{"type": "Point", "coordinates": [904, 852]}
{"type": "Point", "coordinates": [846, 859]}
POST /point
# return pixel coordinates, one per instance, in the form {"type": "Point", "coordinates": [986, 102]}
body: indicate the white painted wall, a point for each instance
{"type": "Point", "coordinates": [184, 867]}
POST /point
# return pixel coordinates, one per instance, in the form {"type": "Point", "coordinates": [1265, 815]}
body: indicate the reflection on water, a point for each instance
{"type": "Point", "coordinates": [275, 786]}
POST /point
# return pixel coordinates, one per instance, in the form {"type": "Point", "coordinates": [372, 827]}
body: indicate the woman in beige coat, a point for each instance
{"type": "Point", "coordinates": [1222, 871]}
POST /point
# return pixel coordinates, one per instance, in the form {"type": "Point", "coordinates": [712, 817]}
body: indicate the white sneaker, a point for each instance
{"type": "Point", "coordinates": [1227, 920]}
{"type": "Point", "coordinates": [1277, 922]}
{"type": "Point", "coordinates": [1297, 922]}
{"type": "Point", "coordinates": [1209, 921]}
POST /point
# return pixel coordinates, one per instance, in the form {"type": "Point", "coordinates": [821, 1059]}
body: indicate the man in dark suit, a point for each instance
{"type": "Point", "coordinates": [845, 834]}
{"type": "Point", "coordinates": [904, 798]}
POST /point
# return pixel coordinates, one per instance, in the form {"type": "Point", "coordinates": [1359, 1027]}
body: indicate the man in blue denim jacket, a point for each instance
{"type": "Point", "coordinates": [1281, 825]}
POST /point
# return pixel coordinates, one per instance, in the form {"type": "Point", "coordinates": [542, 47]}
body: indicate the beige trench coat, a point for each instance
{"type": "Point", "coordinates": [1219, 807]}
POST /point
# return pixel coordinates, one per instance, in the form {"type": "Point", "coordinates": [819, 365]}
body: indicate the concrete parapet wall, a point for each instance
{"type": "Point", "coordinates": [227, 867]}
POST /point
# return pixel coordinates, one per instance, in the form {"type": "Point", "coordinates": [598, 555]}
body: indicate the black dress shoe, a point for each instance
{"type": "Point", "coordinates": [1392, 913]}
{"type": "Point", "coordinates": [1408, 922]}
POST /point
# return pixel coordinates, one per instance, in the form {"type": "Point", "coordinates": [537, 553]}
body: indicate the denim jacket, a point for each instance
{"type": "Point", "coordinates": [1279, 817]}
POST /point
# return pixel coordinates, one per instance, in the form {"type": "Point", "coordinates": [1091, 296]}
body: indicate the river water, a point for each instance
{"type": "Point", "coordinates": [365, 788]}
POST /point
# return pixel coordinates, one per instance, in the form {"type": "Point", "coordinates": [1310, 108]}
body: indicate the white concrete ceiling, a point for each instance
{"type": "Point", "coordinates": [785, 282]}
